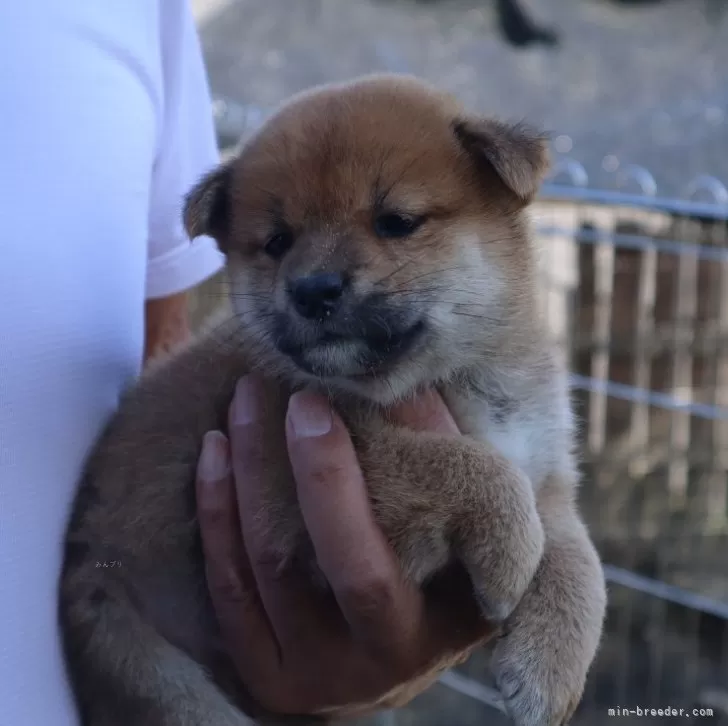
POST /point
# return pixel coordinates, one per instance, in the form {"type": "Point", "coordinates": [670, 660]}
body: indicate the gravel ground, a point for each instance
{"type": "Point", "coordinates": [639, 85]}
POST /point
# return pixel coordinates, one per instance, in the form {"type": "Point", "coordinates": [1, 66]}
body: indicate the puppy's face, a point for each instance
{"type": "Point", "coordinates": [374, 235]}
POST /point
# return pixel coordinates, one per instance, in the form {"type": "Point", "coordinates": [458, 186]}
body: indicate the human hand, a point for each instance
{"type": "Point", "coordinates": [379, 640]}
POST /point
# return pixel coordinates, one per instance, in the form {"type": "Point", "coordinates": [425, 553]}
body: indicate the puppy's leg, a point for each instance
{"type": "Point", "coordinates": [552, 637]}
{"type": "Point", "coordinates": [124, 672]}
{"type": "Point", "coordinates": [127, 674]}
{"type": "Point", "coordinates": [436, 497]}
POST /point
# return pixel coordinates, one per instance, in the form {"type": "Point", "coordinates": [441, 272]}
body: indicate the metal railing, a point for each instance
{"type": "Point", "coordinates": [642, 309]}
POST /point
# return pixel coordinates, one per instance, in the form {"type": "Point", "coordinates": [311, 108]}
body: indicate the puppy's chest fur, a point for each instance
{"type": "Point", "coordinates": [528, 421]}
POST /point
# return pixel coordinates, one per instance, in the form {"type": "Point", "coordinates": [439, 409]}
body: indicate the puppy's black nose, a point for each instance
{"type": "Point", "coordinates": [318, 295]}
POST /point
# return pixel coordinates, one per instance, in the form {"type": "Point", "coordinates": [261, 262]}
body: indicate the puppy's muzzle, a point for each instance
{"type": "Point", "coordinates": [329, 330]}
{"type": "Point", "coordinates": [318, 296]}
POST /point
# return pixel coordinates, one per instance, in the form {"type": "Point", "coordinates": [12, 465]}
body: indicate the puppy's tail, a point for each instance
{"type": "Point", "coordinates": [122, 670]}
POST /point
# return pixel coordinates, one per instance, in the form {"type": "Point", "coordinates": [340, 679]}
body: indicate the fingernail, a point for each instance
{"type": "Point", "coordinates": [245, 402]}
{"type": "Point", "coordinates": [214, 459]}
{"type": "Point", "coordinates": [310, 416]}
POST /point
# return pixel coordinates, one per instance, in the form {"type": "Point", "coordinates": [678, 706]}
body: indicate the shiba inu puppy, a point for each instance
{"type": "Point", "coordinates": [376, 245]}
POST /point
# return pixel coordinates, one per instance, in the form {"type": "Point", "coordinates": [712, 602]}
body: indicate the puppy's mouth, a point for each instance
{"type": "Point", "coordinates": [342, 354]}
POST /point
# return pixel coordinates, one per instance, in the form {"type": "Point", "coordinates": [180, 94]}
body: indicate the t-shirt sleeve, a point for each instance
{"type": "Point", "coordinates": [187, 149]}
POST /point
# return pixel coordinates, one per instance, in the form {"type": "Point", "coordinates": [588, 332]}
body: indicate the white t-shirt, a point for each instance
{"type": "Point", "coordinates": [105, 122]}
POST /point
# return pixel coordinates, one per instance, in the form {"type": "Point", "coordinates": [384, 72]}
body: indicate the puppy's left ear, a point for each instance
{"type": "Point", "coordinates": [517, 153]}
{"type": "Point", "coordinates": [207, 207]}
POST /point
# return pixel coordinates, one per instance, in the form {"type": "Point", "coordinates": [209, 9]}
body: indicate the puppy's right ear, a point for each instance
{"type": "Point", "coordinates": [517, 153]}
{"type": "Point", "coordinates": [207, 207]}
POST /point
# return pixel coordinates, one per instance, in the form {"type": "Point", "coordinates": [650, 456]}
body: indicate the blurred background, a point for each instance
{"type": "Point", "coordinates": [634, 239]}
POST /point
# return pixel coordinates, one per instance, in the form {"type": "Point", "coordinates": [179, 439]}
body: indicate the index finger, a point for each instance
{"type": "Point", "coordinates": [351, 550]}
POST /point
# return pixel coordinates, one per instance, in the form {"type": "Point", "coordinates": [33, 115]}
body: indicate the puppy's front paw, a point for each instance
{"type": "Point", "coordinates": [501, 549]}
{"type": "Point", "coordinates": [538, 687]}
{"type": "Point", "coordinates": [550, 641]}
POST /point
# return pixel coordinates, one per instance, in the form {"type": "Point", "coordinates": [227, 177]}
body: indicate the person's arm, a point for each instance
{"type": "Point", "coordinates": [186, 150]}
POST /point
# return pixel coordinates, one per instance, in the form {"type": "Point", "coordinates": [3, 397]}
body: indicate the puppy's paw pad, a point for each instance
{"type": "Point", "coordinates": [533, 694]}
{"type": "Point", "coordinates": [523, 700]}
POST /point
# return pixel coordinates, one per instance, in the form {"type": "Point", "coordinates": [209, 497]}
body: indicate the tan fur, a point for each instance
{"type": "Point", "coordinates": [140, 637]}
{"type": "Point", "coordinates": [166, 325]}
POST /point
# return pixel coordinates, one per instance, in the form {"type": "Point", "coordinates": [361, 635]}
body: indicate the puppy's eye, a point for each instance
{"type": "Point", "coordinates": [393, 225]}
{"type": "Point", "coordinates": [278, 244]}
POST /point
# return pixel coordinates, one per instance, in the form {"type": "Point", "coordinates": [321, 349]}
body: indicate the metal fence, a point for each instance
{"type": "Point", "coordinates": [636, 291]}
